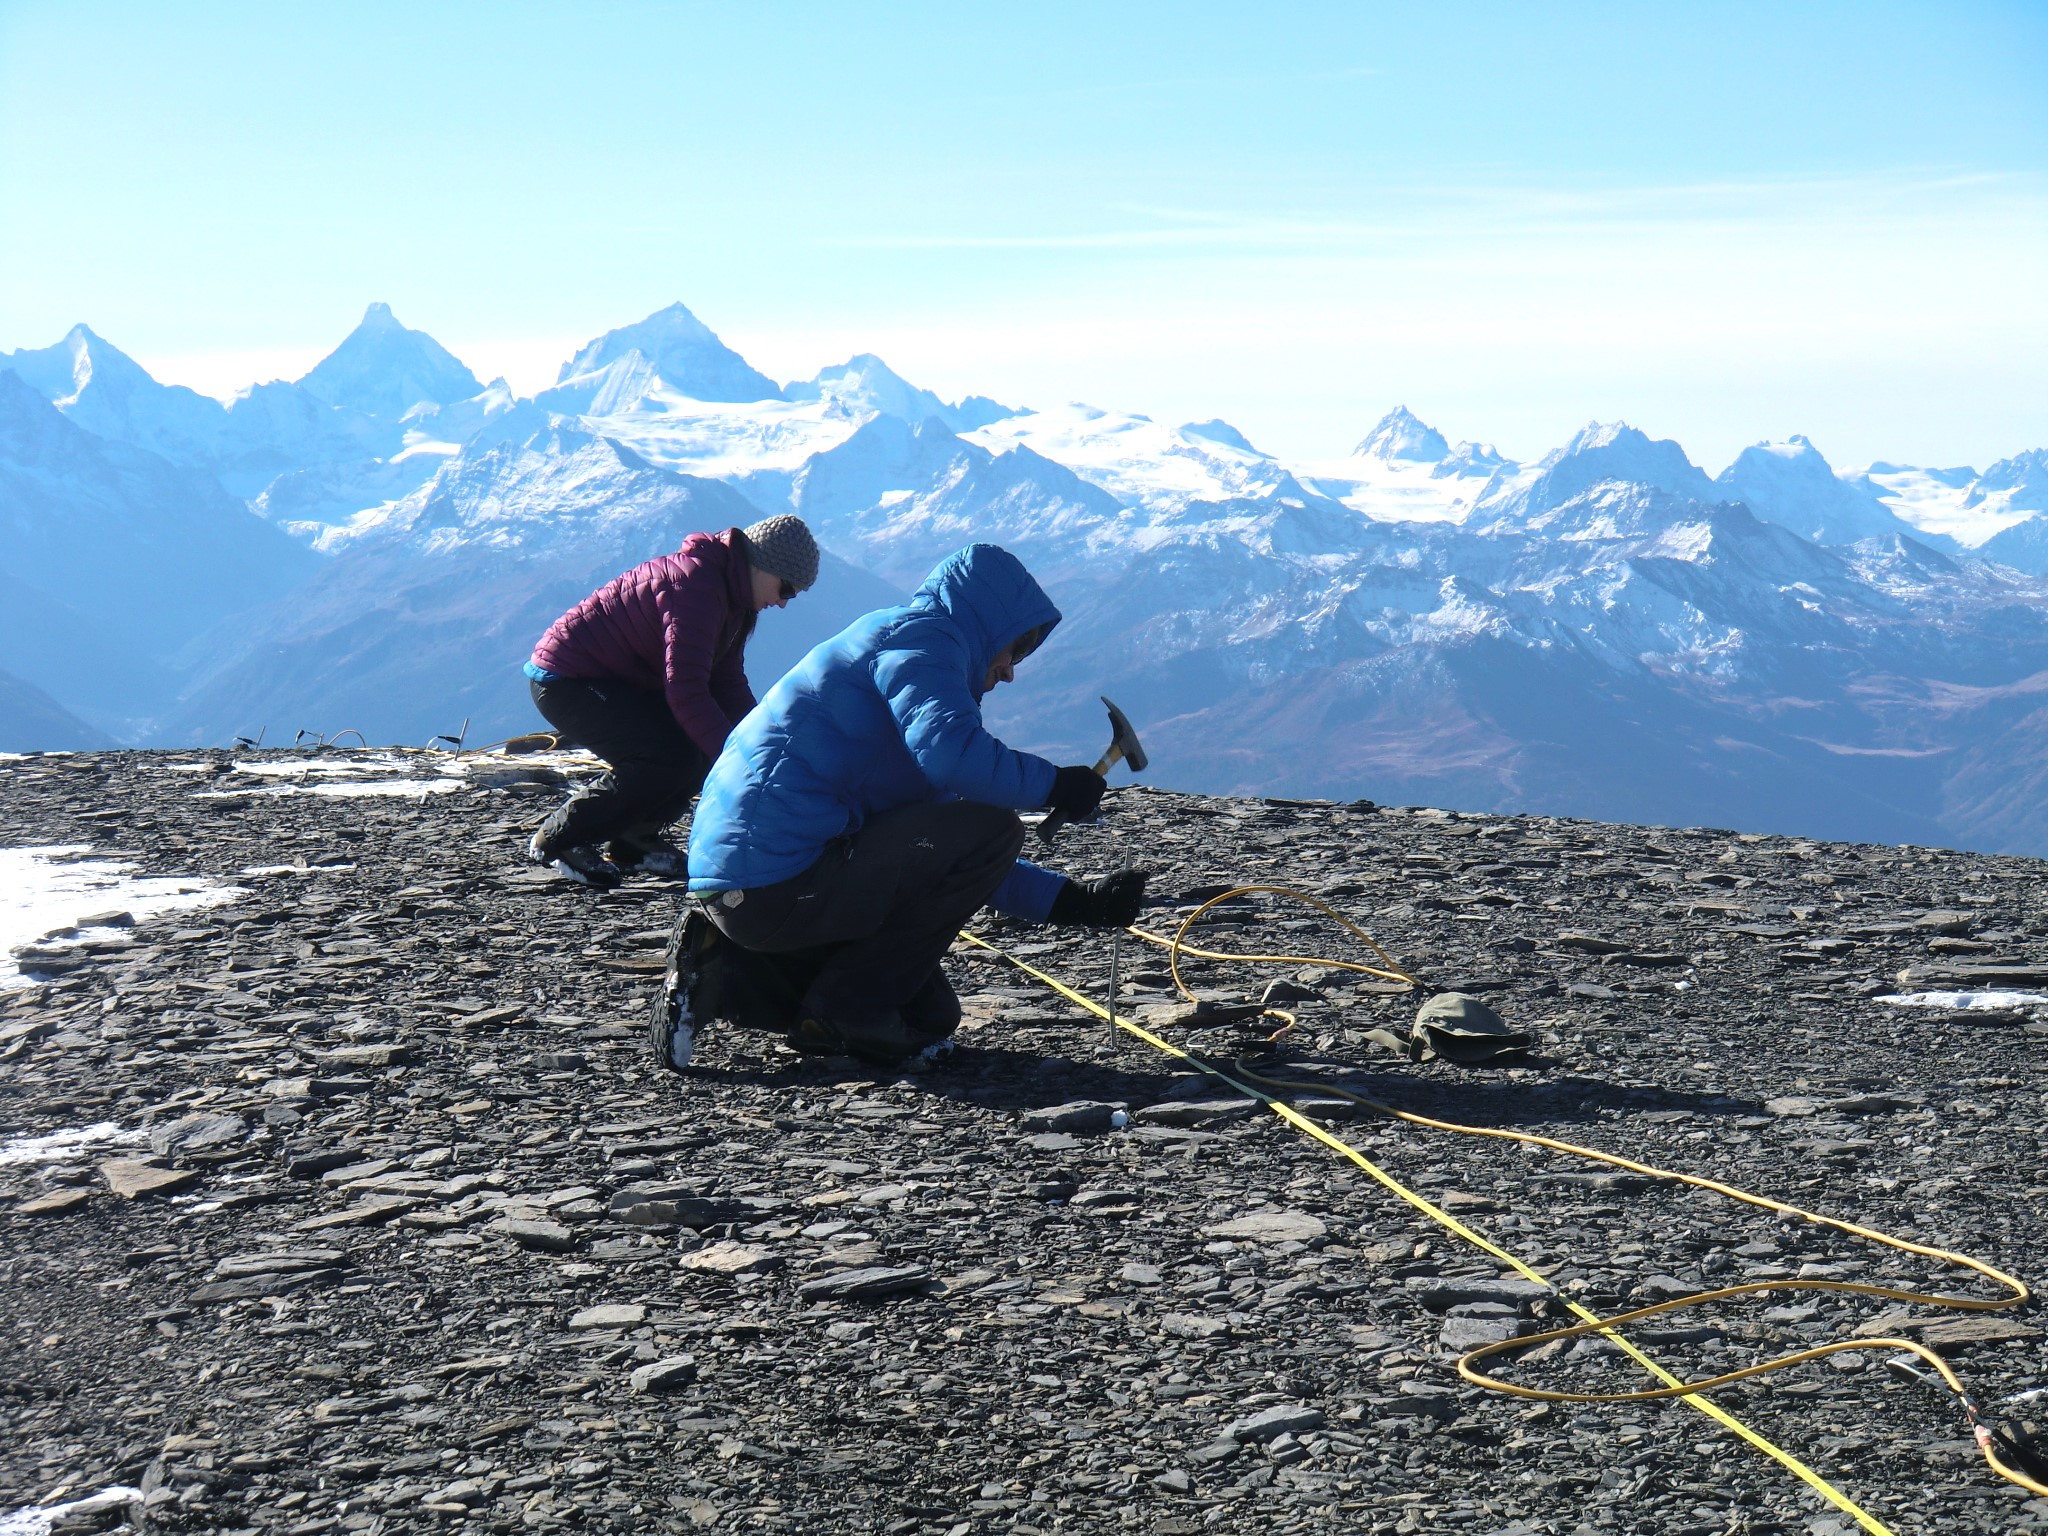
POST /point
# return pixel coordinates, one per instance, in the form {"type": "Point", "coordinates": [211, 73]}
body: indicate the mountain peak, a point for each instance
{"type": "Point", "coordinates": [1595, 435]}
{"type": "Point", "coordinates": [1400, 436]}
{"type": "Point", "coordinates": [383, 369]}
{"type": "Point", "coordinates": [1795, 455]}
{"type": "Point", "coordinates": [2027, 470]}
{"type": "Point", "coordinates": [1793, 485]}
{"type": "Point", "coordinates": [864, 383]}
{"type": "Point", "coordinates": [1216, 430]}
{"type": "Point", "coordinates": [62, 370]}
{"type": "Point", "coordinates": [684, 351]}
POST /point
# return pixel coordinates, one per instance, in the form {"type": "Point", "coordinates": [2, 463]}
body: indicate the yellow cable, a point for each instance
{"type": "Point", "coordinates": [1590, 1322]}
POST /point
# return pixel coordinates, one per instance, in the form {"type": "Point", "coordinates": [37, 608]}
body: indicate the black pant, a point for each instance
{"type": "Point", "coordinates": [656, 770]}
{"type": "Point", "coordinates": [878, 911]}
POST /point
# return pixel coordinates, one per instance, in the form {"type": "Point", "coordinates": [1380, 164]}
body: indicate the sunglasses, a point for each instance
{"type": "Point", "coordinates": [788, 590]}
{"type": "Point", "coordinates": [1026, 643]}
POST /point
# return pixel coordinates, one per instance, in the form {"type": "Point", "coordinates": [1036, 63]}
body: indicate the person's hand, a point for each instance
{"type": "Point", "coordinates": [1111, 902]}
{"type": "Point", "coordinates": [1076, 792]}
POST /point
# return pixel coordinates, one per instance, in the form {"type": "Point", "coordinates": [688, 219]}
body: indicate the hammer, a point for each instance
{"type": "Point", "coordinates": [1123, 746]}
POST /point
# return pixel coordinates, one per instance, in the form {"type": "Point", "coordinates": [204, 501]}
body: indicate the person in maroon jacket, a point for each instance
{"type": "Point", "coordinates": [647, 673]}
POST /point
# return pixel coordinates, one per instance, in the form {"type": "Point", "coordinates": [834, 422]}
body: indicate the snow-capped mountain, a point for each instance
{"type": "Point", "coordinates": [1791, 484]}
{"type": "Point", "coordinates": [1529, 499]}
{"type": "Point", "coordinates": [1607, 631]}
{"type": "Point", "coordinates": [105, 391]}
{"type": "Point", "coordinates": [1404, 471]}
{"type": "Point", "coordinates": [864, 385]}
{"type": "Point", "coordinates": [1140, 462]}
{"type": "Point", "coordinates": [1958, 504]}
{"type": "Point", "coordinates": [1400, 436]}
{"type": "Point", "coordinates": [2017, 484]}
{"type": "Point", "coordinates": [349, 407]}
{"type": "Point", "coordinates": [676, 345]}
{"type": "Point", "coordinates": [383, 369]}
{"type": "Point", "coordinates": [896, 498]}
{"type": "Point", "coordinates": [427, 608]}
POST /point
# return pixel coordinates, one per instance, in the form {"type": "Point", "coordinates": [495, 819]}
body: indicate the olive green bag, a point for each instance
{"type": "Point", "coordinates": [1457, 1027]}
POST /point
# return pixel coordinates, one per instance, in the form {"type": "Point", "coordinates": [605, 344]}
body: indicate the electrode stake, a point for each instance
{"type": "Point", "coordinates": [1116, 950]}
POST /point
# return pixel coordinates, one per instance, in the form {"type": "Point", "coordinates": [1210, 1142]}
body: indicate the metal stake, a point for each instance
{"type": "Point", "coordinates": [1116, 950]}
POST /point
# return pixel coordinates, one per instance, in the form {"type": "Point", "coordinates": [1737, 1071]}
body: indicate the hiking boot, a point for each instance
{"type": "Point", "coordinates": [814, 1037]}
{"type": "Point", "coordinates": [691, 993]}
{"type": "Point", "coordinates": [932, 1012]}
{"type": "Point", "coordinates": [883, 1039]}
{"type": "Point", "coordinates": [580, 863]}
{"type": "Point", "coordinates": [663, 861]}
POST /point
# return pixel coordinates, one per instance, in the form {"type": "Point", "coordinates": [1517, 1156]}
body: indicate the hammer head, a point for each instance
{"type": "Point", "coordinates": [1124, 741]}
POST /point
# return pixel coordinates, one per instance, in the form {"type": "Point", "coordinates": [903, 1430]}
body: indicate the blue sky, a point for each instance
{"type": "Point", "coordinates": [1721, 222]}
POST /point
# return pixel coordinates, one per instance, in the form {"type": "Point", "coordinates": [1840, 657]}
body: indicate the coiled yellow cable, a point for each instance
{"type": "Point", "coordinates": [1251, 1083]}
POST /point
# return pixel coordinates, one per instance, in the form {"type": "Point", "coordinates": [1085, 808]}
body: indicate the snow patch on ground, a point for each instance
{"type": "Point", "coordinates": [1993, 999]}
{"type": "Point", "coordinates": [379, 763]}
{"type": "Point", "coordinates": [62, 1146]}
{"type": "Point", "coordinates": [46, 890]}
{"type": "Point", "coordinates": [37, 1519]}
{"type": "Point", "coordinates": [345, 790]}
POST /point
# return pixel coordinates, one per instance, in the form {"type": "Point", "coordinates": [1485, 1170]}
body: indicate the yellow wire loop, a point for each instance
{"type": "Point", "coordinates": [1266, 1090]}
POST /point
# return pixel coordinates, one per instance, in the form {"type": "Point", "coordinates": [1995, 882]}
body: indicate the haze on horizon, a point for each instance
{"type": "Point", "coordinates": [1724, 224]}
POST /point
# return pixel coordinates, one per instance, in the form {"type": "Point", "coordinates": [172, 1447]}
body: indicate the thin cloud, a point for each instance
{"type": "Point", "coordinates": [1480, 210]}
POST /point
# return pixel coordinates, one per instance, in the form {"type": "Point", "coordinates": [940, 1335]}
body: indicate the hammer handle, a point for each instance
{"type": "Point", "coordinates": [1054, 820]}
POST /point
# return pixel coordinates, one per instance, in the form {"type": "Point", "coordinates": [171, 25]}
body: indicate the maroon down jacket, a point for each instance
{"type": "Point", "coordinates": [676, 625]}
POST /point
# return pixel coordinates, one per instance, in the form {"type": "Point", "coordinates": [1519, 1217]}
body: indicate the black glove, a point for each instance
{"type": "Point", "coordinates": [1111, 902]}
{"type": "Point", "coordinates": [1076, 792]}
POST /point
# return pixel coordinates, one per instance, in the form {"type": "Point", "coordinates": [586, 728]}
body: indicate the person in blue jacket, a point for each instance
{"type": "Point", "coordinates": [861, 814]}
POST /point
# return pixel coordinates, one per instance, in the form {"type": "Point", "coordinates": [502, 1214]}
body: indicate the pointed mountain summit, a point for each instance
{"type": "Point", "coordinates": [865, 383]}
{"type": "Point", "coordinates": [1400, 435]}
{"type": "Point", "coordinates": [104, 390]}
{"type": "Point", "coordinates": [382, 369]}
{"type": "Point", "coordinates": [61, 373]}
{"type": "Point", "coordinates": [684, 351]}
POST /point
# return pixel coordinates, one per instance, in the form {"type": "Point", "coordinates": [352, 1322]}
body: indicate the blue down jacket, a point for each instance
{"type": "Point", "coordinates": [886, 713]}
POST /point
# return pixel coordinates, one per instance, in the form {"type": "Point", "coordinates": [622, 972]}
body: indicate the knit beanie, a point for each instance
{"type": "Point", "coordinates": [783, 546]}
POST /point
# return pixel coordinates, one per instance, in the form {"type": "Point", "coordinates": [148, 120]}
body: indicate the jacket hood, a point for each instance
{"type": "Point", "coordinates": [989, 595]}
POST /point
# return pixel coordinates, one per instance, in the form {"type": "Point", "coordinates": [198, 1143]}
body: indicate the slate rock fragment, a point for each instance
{"type": "Point", "coordinates": [1271, 1227]}
{"type": "Point", "coordinates": [1082, 1117]}
{"type": "Point", "coordinates": [664, 1375]}
{"type": "Point", "coordinates": [541, 1236]}
{"type": "Point", "coordinates": [1270, 1423]}
{"type": "Point", "coordinates": [136, 1178]}
{"type": "Point", "coordinates": [877, 1283]}
{"type": "Point", "coordinates": [196, 1133]}
{"type": "Point", "coordinates": [610, 1315]}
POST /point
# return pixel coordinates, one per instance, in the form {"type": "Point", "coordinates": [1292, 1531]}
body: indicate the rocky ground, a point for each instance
{"type": "Point", "coordinates": [407, 1234]}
